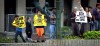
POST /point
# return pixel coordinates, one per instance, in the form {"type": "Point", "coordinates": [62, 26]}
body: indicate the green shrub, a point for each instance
{"type": "Point", "coordinates": [92, 35]}
{"type": "Point", "coordinates": [66, 31]}
{"type": "Point", "coordinates": [6, 40]}
{"type": "Point", "coordinates": [72, 37]}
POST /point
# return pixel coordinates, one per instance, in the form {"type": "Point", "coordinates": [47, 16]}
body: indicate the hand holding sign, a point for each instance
{"type": "Point", "coordinates": [79, 2]}
{"type": "Point", "coordinates": [19, 22]}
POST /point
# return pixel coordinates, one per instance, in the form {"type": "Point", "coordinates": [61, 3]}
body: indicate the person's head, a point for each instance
{"type": "Point", "coordinates": [81, 9]}
{"type": "Point", "coordinates": [98, 5]}
{"type": "Point", "coordinates": [46, 4]}
{"type": "Point", "coordinates": [75, 9]}
{"type": "Point", "coordinates": [16, 16]}
{"type": "Point", "coordinates": [86, 9]}
{"type": "Point", "coordinates": [54, 10]}
{"type": "Point", "coordinates": [90, 8]}
{"type": "Point", "coordinates": [39, 13]}
{"type": "Point", "coordinates": [29, 18]}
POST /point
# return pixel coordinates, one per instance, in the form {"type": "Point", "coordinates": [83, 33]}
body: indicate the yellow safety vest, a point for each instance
{"type": "Point", "coordinates": [39, 21]}
{"type": "Point", "coordinates": [19, 22]}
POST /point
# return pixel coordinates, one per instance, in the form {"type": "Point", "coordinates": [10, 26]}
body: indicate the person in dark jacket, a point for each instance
{"type": "Point", "coordinates": [73, 23]}
{"type": "Point", "coordinates": [96, 14]}
{"type": "Point", "coordinates": [28, 27]}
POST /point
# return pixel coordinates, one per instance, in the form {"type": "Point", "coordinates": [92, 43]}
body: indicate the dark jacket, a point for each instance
{"type": "Point", "coordinates": [28, 26]}
{"type": "Point", "coordinates": [72, 16]}
{"type": "Point", "coordinates": [96, 14]}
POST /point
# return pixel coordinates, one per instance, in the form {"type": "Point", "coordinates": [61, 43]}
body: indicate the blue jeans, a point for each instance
{"type": "Point", "coordinates": [52, 31]}
{"type": "Point", "coordinates": [20, 34]}
{"type": "Point", "coordinates": [92, 26]}
{"type": "Point", "coordinates": [97, 25]}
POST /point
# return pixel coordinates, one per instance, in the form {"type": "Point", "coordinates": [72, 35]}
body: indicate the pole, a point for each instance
{"type": "Point", "coordinates": [59, 8]}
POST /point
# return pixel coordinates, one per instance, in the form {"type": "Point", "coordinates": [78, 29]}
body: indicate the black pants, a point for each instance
{"type": "Point", "coordinates": [84, 28]}
{"type": "Point", "coordinates": [29, 33]}
{"type": "Point", "coordinates": [16, 36]}
{"type": "Point", "coordinates": [75, 29]}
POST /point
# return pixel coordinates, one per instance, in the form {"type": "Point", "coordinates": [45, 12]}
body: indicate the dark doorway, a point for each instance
{"type": "Point", "coordinates": [29, 3]}
{"type": "Point", "coordinates": [98, 1]}
{"type": "Point", "coordinates": [51, 3]}
{"type": "Point", "coordinates": [10, 8]}
{"type": "Point", "coordinates": [84, 3]}
{"type": "Point", "coordinates": [67, 11]}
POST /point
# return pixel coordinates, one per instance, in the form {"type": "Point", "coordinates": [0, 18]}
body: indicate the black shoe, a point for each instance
{"type": "Point", "coordinates": [43, 41]}
{"type": "Point", "coordinates": [38, 41]}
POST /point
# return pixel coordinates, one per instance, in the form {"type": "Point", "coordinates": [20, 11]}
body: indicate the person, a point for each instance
{"type": "Point", "coordinates": [96, 14]}
{"type": "Point", "coordinates": [52, 23]}
{"type": "Point", "coordinates": [73, 23]}
{"type": "Point", "coordinates": [18, 31]}
{"type": "Point", "coordinates": [85, 26]}
{"type": "Point", "coordinates": [28, 28]}
{"type": "Point", "coordinates": [46, 9]}
{"type": "Point", "coordinates": [40, 23]}
{"type": "Point", "coordinates": [89, 17]}
{"type": "Point", "coordinates": [92, 27]}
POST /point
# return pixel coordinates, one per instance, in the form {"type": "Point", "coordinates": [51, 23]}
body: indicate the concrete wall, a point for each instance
{"type": "Point", "coordinates": [75, 4]}
{"type": "Point", "coordinates": [20, 6]}
{"type": "Point", "coordinates": [42, 3]}
{"type": "Point", "coordinates": [1, 15]}
{"type": "Point", "coordinates": [21, 10]}
{"type": "Point", "coordinates": [92, 3]}
{"type": "Point", "coordinates": [62, 14]}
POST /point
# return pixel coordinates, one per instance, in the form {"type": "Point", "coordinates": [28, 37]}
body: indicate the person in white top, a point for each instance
{"type": "Point", "coordinates": [84, 26]}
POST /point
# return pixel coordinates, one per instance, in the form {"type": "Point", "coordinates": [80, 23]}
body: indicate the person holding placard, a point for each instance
{"type": "Point", "coordinates": [82, 17]}
{"type": "Point", "coordinates": [73, 23]}
{"type": "Point", "coordinates": [19, 23]}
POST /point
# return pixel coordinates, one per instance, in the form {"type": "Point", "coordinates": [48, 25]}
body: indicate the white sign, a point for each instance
{"type": "Point", "coordinates": [81, 17]}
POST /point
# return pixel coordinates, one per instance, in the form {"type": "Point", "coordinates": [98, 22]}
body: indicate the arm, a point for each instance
{"type": "Point", "coordinates": [45, 18]}
{"type": "Point", "coordinates": [73, 15]}
{"type": "Point", "coordinates": [80, 4]}
{"type": "Point", "coordinates": [94, 14]}
{"type": "Point", "coordinates": [90, 15]}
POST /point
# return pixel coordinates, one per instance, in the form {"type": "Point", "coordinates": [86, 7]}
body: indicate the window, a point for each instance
{"type": "Point", "coordinates": [10, 8]}
{"type": "Point", "coordinates": [84, 3]}
{"type": "Point", "coordinates": [51, 3]}
{"type": "Point", "coordinates": [98, 1]}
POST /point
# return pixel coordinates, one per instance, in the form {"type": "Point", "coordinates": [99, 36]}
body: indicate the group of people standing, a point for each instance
{"type": "Point", "coordinates": [39, 22]}
{"type": "Point", "coordinates": [93, 20]}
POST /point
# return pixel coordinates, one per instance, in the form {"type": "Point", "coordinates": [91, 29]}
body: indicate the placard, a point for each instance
{"type": "Point", "coordinates": [81, 17]}
{"type": "Point", "coordinates": [19, 22]}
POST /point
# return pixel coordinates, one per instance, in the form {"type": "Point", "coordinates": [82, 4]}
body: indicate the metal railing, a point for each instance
{"type": "Point", "coordinates": [58, 43]}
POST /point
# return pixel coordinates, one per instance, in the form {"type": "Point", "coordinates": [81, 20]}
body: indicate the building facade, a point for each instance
{"type": "Point", "coordinates": [21, 6]}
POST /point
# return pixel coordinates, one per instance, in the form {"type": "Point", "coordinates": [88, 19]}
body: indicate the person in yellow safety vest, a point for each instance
{"type": "Point", "coordinates": [18, 28]}
{"type": "Point", "coordinates": [40, 23]}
